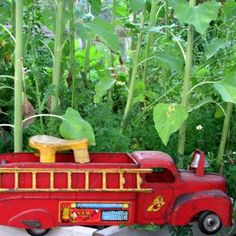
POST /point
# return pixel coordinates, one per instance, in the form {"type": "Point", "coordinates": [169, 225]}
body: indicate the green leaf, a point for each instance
{"type": "Point", "coordinates": [96, 6]}
{"type": "Point", "coordinates": [136, 5]}
{"type": "Point", "coordinates": [170, 61]}
{"type": "Point", "coordinates": [106, 32]}
{"type": "Point", "coordinates": [201, 103]}
{"type": "Point", "coordinates": [168, 118]}
{"type": "Point", "coordinates": [102, 87]}
{"type": "Point", "coordinates": [84, 31]}
{"type": "Point", "coordinates": [5, 11]}
{"type": "Point", "coordinates": [227, 88]}
{"type": "Point", "coordinates": [75, 127]}
{"type": "Point", "coordinates": [229, 9]}
{"type": "Point", "coordinates": [215, 45]}
{"type": "Point", "coordinates": [199, 16]}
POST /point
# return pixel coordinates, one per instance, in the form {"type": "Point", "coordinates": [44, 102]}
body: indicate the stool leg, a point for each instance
{"type": "Point", "coordinates": [47, 155]}
{"type": "Point", "coordinates": [81, 155]}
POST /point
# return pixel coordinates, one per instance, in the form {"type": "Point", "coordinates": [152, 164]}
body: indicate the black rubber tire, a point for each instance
{"type": "Point", "coordinates": [37, 232]}
{"type": "Point", "coordinates": [209, 223]}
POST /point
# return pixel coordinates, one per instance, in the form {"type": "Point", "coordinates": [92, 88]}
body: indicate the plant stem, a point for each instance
{"type": "Point", "coordinates": [72, 51]}
{"type": "Point", "coordinates": [13, 17]}
{"type": "Point", "coordinates": [86, 63]}
{"type": "Point", "coordinates": [58, 47]}
{"type": "Point", "coordinates": [150, 35]}
{"type": "Point", "coordinates": [186, 86]}
{"type": "Point", "coordinates": [133, 74]}
{"type": "Point", "coordinates": [133, 44]}
{"type": "Point", "coordinates": [224, 134]}
{"type": "Point", "coordinates": [111, 59]}
{"type": "Point", "coordinates": [18, 130]}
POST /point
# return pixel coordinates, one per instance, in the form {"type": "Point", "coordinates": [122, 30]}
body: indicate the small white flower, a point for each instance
{"type": "Point", "coordinates": [199, 127]}
{"type": "Point", "coordinates": [234, 152]}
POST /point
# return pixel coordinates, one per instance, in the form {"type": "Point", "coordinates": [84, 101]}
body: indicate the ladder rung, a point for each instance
{"type": "Point", "coordinates": [51, 180]}
{"type": "Point", "coordinates": [86, 180]}
{"type": "Point", "coordinates": [16, 184]}
{"type": "Point", "coordinates": [69, 180]}
{"type": "Point", "coordinates": [122, 180]}
{"type": "Point", "coordinates": [33, 180]}
{"type": "Point", "coordinates": [104, 180]}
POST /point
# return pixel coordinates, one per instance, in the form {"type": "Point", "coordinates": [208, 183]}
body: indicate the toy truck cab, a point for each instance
{"type": "Point", "coordinates": [180, 197]}
{"type": "Point", "coordinates": [112, 189]}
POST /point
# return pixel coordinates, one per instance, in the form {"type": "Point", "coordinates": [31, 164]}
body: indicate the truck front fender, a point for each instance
{"type": "Point", "coordinates": [190, 205]}
{"type": "Point", "coordinates": [33, 218]}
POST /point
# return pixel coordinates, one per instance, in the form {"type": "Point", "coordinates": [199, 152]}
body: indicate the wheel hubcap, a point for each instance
{"type": "Point", "coordinates": [212, 222]}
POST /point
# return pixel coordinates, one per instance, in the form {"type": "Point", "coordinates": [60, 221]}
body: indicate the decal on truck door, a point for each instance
{"type": "Point", "coordinates": [157, 204]}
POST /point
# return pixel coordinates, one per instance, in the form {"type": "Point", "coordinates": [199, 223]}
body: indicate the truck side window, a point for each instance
{"type": "Point", "coordinates": [160, 175]}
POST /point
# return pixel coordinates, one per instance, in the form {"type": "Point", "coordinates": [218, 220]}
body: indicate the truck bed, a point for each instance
{"type": "Point", "coordinates": [97, 160]}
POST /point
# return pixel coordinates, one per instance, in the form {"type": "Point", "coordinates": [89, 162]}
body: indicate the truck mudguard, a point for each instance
{"type": "Point", "coordinates": [33, 218]}
{"type": "Point", "coordinates": [191, 205]}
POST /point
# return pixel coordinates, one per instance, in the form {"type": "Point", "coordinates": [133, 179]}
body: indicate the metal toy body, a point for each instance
{"type": "Point", "coordinates": [113, 189]}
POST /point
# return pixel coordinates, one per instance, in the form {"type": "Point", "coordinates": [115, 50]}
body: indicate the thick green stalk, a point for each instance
{"type": "Point", "coordinates": [111, 59]}
{"type": "Point", "coordinates": [133, 44]}
{"type": "Point", "coordinates": [72, 51]}
{"type": "Point", "coordinates": [133, 74]}
{"type": "Point", "coordinates": [18, 127]}
{"type": "Point", "coordinates": [87, 60]}
{"type": "Point", "coordinates": [150, 36]}
{"type": "Point", "coordinates": [224, 134]}
{"type": "Point", "coordinates": [13, 16]}
{"type": "Point", "coordinates": [58, 47]}
{"type": "Point", "coordinates": [186, 86]}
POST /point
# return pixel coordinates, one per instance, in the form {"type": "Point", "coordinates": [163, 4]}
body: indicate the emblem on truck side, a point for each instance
{"type": "Point", "coordinates": [157, 204]}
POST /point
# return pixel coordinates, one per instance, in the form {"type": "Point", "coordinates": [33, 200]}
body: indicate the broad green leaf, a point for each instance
{"type": "Point", "coordinates": [5, 11]}
{"type": "Point", "coordinates": [75, 127]}
{"type": "Point", "coordinates": [168, 118]}
{"type": "Point", "coordinates": [199, 16]}
{"type": "Point", "coordinates": [140, 92]}
{"type": "Point", "coordinates": [227, 88]}
{"type": "Point", "coordinates": [102, 87]}
{"type": "Point", "coordinates": [201, 103]}
{"type": "Point", "coordinates": [96, 6]}
{"type": "Point", "coordinates": [136, 5]}
{"type": "Point", "coordinates": [84, 31]}
{"type": "Point", "coordinates": [170, 61]}
{"type": "Point", "coordinates": [229, 9]}
{"type": "Point", "coordinates": [106, 32]}
{"type": "Point", "coordinates": [215, 45]}
{"type": "Point", "coordinates": [219, 113]}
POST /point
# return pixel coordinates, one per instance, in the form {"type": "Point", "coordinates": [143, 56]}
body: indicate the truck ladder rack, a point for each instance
{"type": "Point", "coordinates": [34, 172]}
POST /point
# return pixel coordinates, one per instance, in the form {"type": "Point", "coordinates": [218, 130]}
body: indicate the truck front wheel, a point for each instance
{"type": "Point", "coordinates": [209, 222]}
{"type": "Point", "coordinates": [37, 232]}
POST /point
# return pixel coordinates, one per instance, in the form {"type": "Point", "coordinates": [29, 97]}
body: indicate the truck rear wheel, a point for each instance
{"type": "Point", "coordinates": [37, 232]}
{"type": "Point", "coordinates": [209, 223]}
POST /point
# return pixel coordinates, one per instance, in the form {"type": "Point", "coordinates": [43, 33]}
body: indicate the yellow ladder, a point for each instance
{"type": "Point", "coordinates": [87, 188]}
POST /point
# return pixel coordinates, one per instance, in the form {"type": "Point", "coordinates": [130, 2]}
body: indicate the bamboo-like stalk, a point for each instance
{"type": "Point", "coordinates": [111, 59]}
{"type": "Point", "coordinates": [224, 133]}
{"type": "Point", "coordinates": [13, 16]}
{"type": "Point", "coordinates": [18, 127]}
{"type": "Point", "coordinates": [72, 51]}
{"type": "Point", "coordinates": [134, 73]}
{"type": "Point", "coordinates": [186, 86]}
{"type": "Point", "coordinates": [150, 36]}
{"type": "Point", "coordinates": [87, 60]}
{"type": "Point", "coordinates": [58, 47]}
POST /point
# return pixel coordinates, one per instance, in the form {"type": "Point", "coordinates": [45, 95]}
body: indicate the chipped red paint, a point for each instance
{"type": "Point", "coordinates": [176, 197]}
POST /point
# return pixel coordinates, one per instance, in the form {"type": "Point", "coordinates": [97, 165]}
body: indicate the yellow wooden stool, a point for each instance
{"type": "Point", "coordinates": [49, 145]}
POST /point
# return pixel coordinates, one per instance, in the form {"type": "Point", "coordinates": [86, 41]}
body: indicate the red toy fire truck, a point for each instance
{"type": "Point", "coordinates": [49, 189]}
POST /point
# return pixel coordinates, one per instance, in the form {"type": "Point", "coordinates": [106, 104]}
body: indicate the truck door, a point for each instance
{"type": "Point", "coordinates": [154, 207]}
